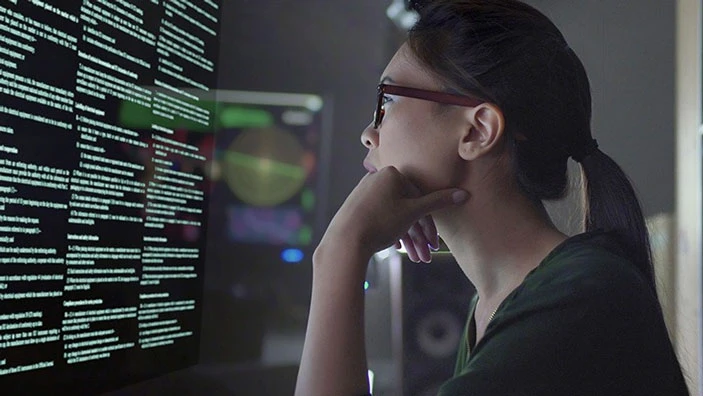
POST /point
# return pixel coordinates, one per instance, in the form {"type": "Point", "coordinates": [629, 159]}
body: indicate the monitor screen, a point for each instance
{"type": "Point", "coordinates": [102, 224]}
{"type": "Point", "coordinates": [269, 183]}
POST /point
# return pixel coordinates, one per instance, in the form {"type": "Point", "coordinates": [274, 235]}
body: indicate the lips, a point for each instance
{"type": "Point", "coordinates": [369, 167]}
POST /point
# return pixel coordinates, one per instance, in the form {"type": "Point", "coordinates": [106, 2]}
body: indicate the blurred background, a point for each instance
{"type": "Point", "coordinates": [256, 298]}
{"type": "Point", "coordinates": [326, 57]}
{"type": "Point", "coordinates": [296, 86]}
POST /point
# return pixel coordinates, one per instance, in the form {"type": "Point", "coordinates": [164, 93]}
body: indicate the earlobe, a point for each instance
{"type": "Point", "coordinates": [484, 132]}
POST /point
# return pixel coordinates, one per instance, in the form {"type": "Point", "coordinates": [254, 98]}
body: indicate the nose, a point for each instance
{"type": "Point", "coordinates": [369, 137]}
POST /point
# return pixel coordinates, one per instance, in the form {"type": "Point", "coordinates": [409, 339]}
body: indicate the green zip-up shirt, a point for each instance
{"type": "Point", "coordinates": [584, 322]}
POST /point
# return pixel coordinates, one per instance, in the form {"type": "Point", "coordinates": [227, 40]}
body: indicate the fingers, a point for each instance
{"type": "Point", "coordinates": [410, 248]}
{"type": "Point", "coordinates": [439, 199]}
{"type": "Point", "coordinates": [430, 231]}
{"type": "Point", "coordinates": [420, 239]}
{"type": "Point", "coordinates": [418, 203]}
{"type": "Point", "coordinates": [388, 202]}
{"type": "Point", "coordinates": [416, 245]}
{"type": "Point", "coordinates": [422, 244]}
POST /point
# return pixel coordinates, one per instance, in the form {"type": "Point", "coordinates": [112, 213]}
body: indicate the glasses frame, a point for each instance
{"type": "Point", "coordinates": [417, 93]}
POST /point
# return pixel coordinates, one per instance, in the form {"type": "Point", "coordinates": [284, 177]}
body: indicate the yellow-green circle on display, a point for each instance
{"type": "Point", "coordinates": [264, 166]}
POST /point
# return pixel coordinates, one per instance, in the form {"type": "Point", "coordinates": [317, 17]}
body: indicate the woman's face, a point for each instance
{"type": "Point", "coordinates": [421, 142]}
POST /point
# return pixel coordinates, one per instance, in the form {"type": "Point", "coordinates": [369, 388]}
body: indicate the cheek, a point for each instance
{"type": "Point", "coordinates": [419, 147]}
{"type": "Point", "coordinates": [402, 144]}
{"type": "Point", "coordinates": [430, 163]}
{"type": "Point", "coordinates": [437, 170]}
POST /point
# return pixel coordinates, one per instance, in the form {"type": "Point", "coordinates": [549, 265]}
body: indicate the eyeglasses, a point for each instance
{"type": "Point", "coordinates": [433, 96]}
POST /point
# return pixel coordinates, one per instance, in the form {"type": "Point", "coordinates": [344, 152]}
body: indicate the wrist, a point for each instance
{"type": "Point", "coordinates": [337, 258]}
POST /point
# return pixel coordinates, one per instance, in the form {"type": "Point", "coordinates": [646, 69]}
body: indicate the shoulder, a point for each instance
{"type": "Point", "coordinates": [588, 266]}
{"type": "Point", "coordinates": [587, 284]}
{"type": "Point", "coordinates": [585, 319]}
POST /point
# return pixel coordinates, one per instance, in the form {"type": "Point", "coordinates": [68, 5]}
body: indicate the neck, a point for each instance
{"type": "Point", "coordinates": [497, 242]}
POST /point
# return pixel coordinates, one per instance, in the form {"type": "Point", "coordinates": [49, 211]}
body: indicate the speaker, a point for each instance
{"type": "Point", "coordinates": [429, 307]}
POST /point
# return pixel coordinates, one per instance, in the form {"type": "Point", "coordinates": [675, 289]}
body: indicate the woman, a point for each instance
{"type": "Point", "coordinates": [477, 116]}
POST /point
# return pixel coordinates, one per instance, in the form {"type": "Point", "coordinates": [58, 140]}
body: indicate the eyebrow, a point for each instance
{"type": "Point", "coordinates": [386, 79]}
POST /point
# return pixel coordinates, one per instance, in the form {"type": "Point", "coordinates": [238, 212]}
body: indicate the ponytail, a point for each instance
{"type": "Point", "coordinates": [610, 203]}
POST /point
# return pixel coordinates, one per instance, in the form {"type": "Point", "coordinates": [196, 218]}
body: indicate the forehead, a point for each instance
{"type": "Point", "coordinates": [405, 69]}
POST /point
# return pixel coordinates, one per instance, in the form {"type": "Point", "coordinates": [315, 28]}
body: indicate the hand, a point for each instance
{"type": "Point", "coordinates": [420, 238]}
{"type": "Point", "coordinates": [383, 208]}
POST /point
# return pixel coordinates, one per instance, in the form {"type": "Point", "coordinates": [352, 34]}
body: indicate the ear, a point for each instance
{"type": "Point", "coordinates": [483, 132]}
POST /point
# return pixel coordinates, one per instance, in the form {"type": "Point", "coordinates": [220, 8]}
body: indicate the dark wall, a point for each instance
{"type": "Point", "coordinates": [628, 50]}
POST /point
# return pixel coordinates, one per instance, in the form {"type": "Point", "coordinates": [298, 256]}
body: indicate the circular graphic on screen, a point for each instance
{"type": "Point", "coordinates": [265, 166]}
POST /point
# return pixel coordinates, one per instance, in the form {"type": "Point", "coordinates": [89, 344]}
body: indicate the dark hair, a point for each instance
{"type": "Point", "coordinates": [508, 53]}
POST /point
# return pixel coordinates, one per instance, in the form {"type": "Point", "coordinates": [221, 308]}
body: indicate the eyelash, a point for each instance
{"type": "Point", "coordinates": [386, 99]}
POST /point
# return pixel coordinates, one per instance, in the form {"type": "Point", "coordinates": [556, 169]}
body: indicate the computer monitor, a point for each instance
{"type": "Point", "coordinates": [266, 215]}
{"type": "Point", "coordinates": [102, 226]}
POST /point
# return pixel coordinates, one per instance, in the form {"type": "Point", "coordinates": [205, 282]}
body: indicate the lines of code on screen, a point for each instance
{"type": "Point", "coordinates": [106, 116]}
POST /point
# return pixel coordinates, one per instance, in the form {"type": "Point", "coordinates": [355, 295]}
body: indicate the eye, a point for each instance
{"type": "Point", "coordinates": [386, 99]}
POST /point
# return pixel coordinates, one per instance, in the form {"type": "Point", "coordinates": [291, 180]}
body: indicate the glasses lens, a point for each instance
{"type": "Point", "coordinates": [379, 118]}
{"type": "Point", "coordinates": [378, 113]}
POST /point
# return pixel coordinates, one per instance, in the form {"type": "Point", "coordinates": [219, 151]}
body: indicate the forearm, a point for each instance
{"type": "Point", "coordinates": [334, 355]}
{"type": "Point", "coordinates": [380, 209]}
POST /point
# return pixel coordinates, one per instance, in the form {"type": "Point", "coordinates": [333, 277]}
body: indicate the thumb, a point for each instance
{"type": "Point", "coordinates": [439, 199]}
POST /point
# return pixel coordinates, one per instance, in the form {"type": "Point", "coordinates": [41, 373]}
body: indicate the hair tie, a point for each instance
{"type": "Point", "coordinates": [580, 152]}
